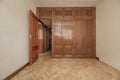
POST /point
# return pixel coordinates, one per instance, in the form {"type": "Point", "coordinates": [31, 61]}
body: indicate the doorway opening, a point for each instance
{"type": "Point", "coordinates": [40, 36]}
{"type": "Point", "coordinates": [44, 35]}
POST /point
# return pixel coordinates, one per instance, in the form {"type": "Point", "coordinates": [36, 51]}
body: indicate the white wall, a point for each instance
{"type": "Point", "coordinates": [14, 24]}
{"type": "Point", "coordinates": [65, 3]}
{"type": "Point", "coordinates": [108, 32]}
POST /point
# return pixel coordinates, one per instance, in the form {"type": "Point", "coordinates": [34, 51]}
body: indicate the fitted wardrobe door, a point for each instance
{"type": "Point", "coordinates": [79, 34]}
{"type": "Point", "coordinates": [67, 29]}
{"type": "Point", "coordinates": [84, 38]}
{"type": "Point", "coordinates": [69, 12]}
{"type": "Point", "coordinates": [58, 12]}
{"type": "Point", "coordinates": [89, 38]}
{"type": "Point", "coordinates": [57, 38]}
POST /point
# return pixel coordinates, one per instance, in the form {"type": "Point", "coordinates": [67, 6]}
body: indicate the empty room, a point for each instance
{"type": "Point", "coordinates": [59, 39]}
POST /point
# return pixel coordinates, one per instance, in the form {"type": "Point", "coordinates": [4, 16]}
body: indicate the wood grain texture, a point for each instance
{"type": "Point", "coordinates": [68, 28]}
{"type": "Point", "coordinates": [44, 12]}
{"type": "Point", "coordinates": [58, 13]}
{"type": "Point", "coordinates": [40, 38]}
{"type": "Point", "coordinates": [44, 39]}
{"type": "Point", "coordinates": [33, 38]}
{"type": "Point", "coordinates": [73, 31]}
{"type": "Point", "coordinates": [57, 38]}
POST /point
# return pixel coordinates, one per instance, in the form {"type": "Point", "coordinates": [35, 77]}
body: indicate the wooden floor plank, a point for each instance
{"type": "Point", "coordinates": [47, 68]}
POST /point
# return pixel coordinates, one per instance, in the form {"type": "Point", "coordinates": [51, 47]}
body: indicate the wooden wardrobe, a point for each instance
{"type": "Point", "coordinates": [73, 31]}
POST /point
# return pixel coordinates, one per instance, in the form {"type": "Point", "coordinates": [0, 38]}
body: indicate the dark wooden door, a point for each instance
{"type": "Point", "coordinates": [33, 34]}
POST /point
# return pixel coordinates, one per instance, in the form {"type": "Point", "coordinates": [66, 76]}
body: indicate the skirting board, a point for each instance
{"type": "Point", "coordinates": [97, 58]}
{"type": "Point", "coordinates": [17, 71]}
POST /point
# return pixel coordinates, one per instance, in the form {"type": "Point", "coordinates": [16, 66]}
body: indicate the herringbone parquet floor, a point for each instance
{"type": "Point", "coordinates": [47, 68]}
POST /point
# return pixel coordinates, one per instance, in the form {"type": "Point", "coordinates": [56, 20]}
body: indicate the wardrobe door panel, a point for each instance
{"type": "Point", "coordinates": [79, 12]}
{"type": "Point", "coordinates": [89, 38]}
{"type": "Point", "coordinates": [58, 51]}
{"type": "Point", "coordinates": [58, 12]}
{"type": "Point", "coordinates": [69, 12]}
{"type": "Point", "coordinates": [57, 37]}
{"type": "Point", "coordinates": [79, 37]}
{"type": "Point", "coordinates": [68, 51]}
{"type": "Point", "coordinates": [89, 13]}
{"type": "Point", "coordinates": [68, 37]}
{"type": "Point", "coordinates": [84, 38]}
